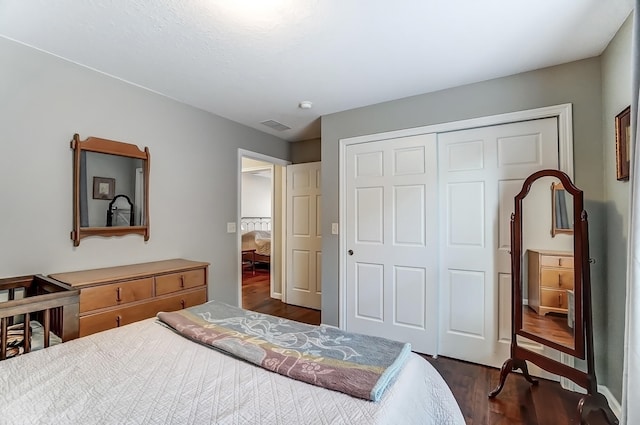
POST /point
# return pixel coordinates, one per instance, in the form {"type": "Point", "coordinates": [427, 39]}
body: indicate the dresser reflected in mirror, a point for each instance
{"type": "Point", "coordinates": [110, 189]}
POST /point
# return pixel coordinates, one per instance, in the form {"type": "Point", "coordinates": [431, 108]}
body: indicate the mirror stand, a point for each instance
{"type": "Point", "coordinates": [583, 327]}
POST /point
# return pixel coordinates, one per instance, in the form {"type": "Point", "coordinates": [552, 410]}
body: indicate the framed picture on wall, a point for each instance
{"type": "Point", "coordinates": [623, 140]}
{"type": "Point", "coordinates": [103, 187]}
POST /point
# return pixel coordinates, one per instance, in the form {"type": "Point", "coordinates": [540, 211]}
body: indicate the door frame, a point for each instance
{"type": "Point", "coordinates": [563, 113]}
{"type": "Point", "coordinates": [243, 153]}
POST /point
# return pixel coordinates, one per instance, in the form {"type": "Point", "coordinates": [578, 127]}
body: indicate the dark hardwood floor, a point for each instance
{"type": "Point", "coordinates": [256, 297]}
{"type": "Point", "coordinates": [519, 403]}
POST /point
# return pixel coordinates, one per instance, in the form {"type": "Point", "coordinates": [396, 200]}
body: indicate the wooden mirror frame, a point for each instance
{"type": "Point", "coordinates": [583, 326]}
{"type": "Point", "coordinates": [111, 147]}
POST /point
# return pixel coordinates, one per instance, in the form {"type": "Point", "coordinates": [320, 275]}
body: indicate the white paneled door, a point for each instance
{"type": "Point", "coordinates": [480, 172]}
{"type": "Point", "coordinates": [427, 235]}
{"type": "Point", "coordinates": [304, 243]}
{"type": "Point", "coordinates": [392, 239]}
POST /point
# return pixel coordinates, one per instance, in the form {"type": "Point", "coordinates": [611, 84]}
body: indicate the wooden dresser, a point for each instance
{"type": "Point", "coordinates": [550, 276]}
{"type": "Point", "coordinates": [115, 296]}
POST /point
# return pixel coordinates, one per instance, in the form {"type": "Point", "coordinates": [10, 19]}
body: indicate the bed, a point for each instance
{"type": "Point", "coordinates": [146, 373]}
{"type": "Point", "coordinates": [256, 239]}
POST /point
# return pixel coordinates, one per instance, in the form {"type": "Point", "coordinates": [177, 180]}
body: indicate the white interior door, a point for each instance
{"type": "Point", "coordinates": [304, 243]}
{"type": "Point", "coordinates": [480, 172]}
{"type": "Point", "coordinates": [391, 240]}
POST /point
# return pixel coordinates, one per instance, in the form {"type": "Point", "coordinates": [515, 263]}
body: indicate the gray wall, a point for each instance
{"type": "Point", "coordinates": [193, 182]}
{"type": "Point", "coordinates": [305, 151]}
{"type": "Point", "coordinates": [578, 83]}
{"type": "Point", "coordinates": [616, 95]}
{"type": "Point", "coordinates": [256, 195]}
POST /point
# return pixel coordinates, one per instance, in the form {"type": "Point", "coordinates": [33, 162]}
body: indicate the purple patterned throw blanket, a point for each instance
{"type": "Point", "coordinates": [359, 365]}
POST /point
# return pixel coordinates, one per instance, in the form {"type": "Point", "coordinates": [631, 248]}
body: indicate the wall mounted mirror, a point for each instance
{"type": "Point", "coordinates": [561, 210]}
{"type": "Point", "coordinates": [110, 189]}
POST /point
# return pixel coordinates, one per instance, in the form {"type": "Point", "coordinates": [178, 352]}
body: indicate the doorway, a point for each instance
{"type": "Point", "coordinates": [262, 236]}
{"type": "Point", "coordinates": [257, 214]}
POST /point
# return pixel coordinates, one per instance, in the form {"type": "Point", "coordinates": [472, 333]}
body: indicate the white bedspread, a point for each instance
{"type": "Point", "coordinates": [260, 240]}
{"type": "Point", "coordinates": [144, 373]}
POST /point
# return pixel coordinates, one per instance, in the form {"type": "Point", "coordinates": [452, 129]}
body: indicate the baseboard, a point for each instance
{"type": "Point", "coordinates": [568, 384]}
{"type": "Point", "coordinates": [614, 404]}
{"type": "Point", "coordinates": [276, 295]}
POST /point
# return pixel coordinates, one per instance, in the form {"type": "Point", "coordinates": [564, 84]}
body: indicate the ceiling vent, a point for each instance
{"type": "Point", "coordinates": [275, 125]}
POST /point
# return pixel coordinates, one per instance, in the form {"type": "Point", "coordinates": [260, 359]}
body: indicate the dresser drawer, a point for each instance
{"type": "Point", "coordinates": [180, 301]}
{"type": "Point", "coordinates": [556, 261]}
{"type": "Point", "coordinates": [556, 278]}
{"type": "Point", "coordinates": [553, 298]}
{"type": "Point", "coordinates": [174, 282]}
{"type": "Point", "coordinates": [98, 322]}
{"type": "Point", "coordinates": [115, 294]}
{"type": "Point", "coordinates": [197, 298]}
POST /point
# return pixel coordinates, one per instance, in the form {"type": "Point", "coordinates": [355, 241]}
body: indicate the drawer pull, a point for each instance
{"type": "Point", "coordinates": [559, 280]}
{"type": "Point", "coordinates": [182, 281]}
{"type": "Point", "coordinates": [118, 319]}
{"type": "Point", "coordinates": [182, 303]}
{"type": "Point", "coordinates": [118, 295]}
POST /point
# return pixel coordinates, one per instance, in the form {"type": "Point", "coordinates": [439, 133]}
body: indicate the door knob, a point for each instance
{"type": "Point", "coordinates": [350, 252]}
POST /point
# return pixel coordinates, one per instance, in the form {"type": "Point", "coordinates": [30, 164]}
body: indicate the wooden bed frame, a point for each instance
{"type": "Point", "coordinates": [53, 304]}
{"type": "Point", "coordinates": [262, 258]}
{"type": "Point", "coordinates": [251, 257]}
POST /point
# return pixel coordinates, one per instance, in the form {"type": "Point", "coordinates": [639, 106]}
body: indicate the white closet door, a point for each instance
{"type": "Point", "coordinates": [480, 172]}
{"type": "Point", "coordinates": [392, 240]}
{"type": "Point", "coordinates": [304, 238]}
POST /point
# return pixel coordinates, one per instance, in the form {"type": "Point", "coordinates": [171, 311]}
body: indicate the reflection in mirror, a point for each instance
{"type": "Point", "coordinates": [547, 266]}
{"type": "Point", "coordinates": [126, 177]}
{"type": "Point", "coordinates": [561, 210]}
{"type": "Point", "coordinates": [121, 212]}
{"type": "Point", "coordinates": [110, 189]}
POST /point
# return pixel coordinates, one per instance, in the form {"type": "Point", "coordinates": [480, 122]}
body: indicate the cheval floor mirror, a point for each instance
{"type": "Point", "coordinates": [551, 288]}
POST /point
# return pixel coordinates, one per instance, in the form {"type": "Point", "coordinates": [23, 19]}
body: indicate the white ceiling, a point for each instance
{"type": "Point", "coordinates": [255, 60]}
